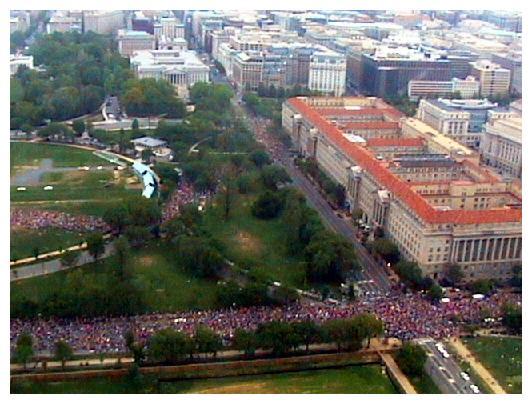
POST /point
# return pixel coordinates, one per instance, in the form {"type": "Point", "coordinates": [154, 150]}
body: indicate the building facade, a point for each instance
{"type": "Point", "coordinates": [501, 147]}
{"type": "Point", "coordinates": [493, 79]}
{"type": "Point", "coordinates": [327, 73]}
{"type": "Point", "coordinates": [441, 209]}
{"type": "Point", "coordinates": [131, 41]}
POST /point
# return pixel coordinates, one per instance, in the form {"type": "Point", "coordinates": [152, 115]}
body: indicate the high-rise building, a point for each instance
{"type": "Point", "coordinates": [513, 62]}
{"type": "Point", "coordinates": [494, 80]}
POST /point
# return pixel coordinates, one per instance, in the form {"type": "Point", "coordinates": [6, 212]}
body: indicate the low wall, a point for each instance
{"type": "Point", "coordinates": [219, 369]}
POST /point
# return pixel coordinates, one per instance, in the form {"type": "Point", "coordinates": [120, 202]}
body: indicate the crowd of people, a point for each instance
{"type": "Point", "coordinates": [406, 316]}
{"type": "Point", "coordinates": [182, 195]}
{"type": "Point", "coordinates": [42, 219]}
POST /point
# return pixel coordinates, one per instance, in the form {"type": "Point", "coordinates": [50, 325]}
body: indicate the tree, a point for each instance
{"type": "Point", "coordinates": [328, 258]}
{"type": "Point", "coordinates": [267, 206]}
{"type": "Point", "coordinates": [207, 341]}
{"type": "Point", "coordinates": [411, 359]}
{"type": "Point", "coordinates": [136, 349]}
{"type": "Point", "coordinates": [368, 326]}
{"type": "Point", "coordinates": [435, 292]}
{"type": "Point", "coordinates": [24, 349]}
{"type": "Point", "coordinates": [62, 352]}
{"type": "Point", "coordinates": [516, 279]}
{"type": "Point", "coordinates": [135, 125]}
{"type": "Point", "coordinates": [146, 155]}
{"type": "Point", "coordinates": [277, 336]}
{"type": "Point", "coordinates": [260, 158]}
{"type": "Point", "coordinates": [387, 250]}
{"type": "Point", "coordinates": [308, 332]}
{"type": "Point", "coordinates": [512, 318]}
{"type": "Point", "coordinates": [78, 126]}
{"type": "Point", "coordinates": [482, 286]}
{"type": "Point", "coordinates": [69, 258]}
{"type": "Point", "coordinates": [168, 346]}
{"type": "Point", "coordinates": [137, 235]}
{"type": "Point", "coordinates": [345, 333]}
{"type": "Point", "coordinates": [117, 217]}
{"type": "Point", "coordinates": [123, 253]}
{"type": "Point", "coordinates": [273, 175]}
{"type": "Point", "coordinates": [227, 189]}
{"type": "Point", "coordinates": [198, 256]}
{"type": "Point", "coordinates": [95, 245]}
{"type": "Point", "coordinates": [245, 341]}
{"type": "Point", "coordinates": [410, 273]}
{"type": "Point", "coordinates": [455, 274]}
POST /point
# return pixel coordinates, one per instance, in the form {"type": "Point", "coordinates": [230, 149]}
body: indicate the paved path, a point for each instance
{"type": "Point", "coordinates": [398, 374]}
{"type": "Point", "coordinates": [466, 355]}
{"type": "Point", "coordinates": [54, 265]}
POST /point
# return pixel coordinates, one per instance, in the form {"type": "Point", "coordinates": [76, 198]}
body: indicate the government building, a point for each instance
{"type": "Point", "coordinates": [426, 191]}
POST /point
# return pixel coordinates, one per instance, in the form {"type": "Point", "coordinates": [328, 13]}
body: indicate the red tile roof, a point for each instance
{"type": "Point", "coordinates": [394, 184]}
{"type": "Point", "coordinates": [400, 142]}
{"type": "Point", "coordinates": [349, 112]}
{"type": "Point", "coordinates": [369, 125]}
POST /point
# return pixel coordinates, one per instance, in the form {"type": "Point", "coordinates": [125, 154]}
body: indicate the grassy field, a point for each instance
{"type": "Point", "coordinates": [23, 241]}
{"type": "Point", "coordinates": [349, 380]}
{"type": "Point", "coordinates": [165, 286]}
{"type": "Point", "coordinates": [259, 245]}
{"type": "Point", "coordinates": [31, 154]}
{"type": "Point", "coordinates": [502, 357]}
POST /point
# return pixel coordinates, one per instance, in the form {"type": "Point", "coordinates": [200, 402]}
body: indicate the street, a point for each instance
{"type": "Point", "coordinates": [373, 277]}
{"type": "Point", "coordinates": [444, 372]}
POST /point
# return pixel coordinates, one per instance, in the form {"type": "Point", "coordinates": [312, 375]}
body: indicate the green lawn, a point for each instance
{"type": "Point", "coordinates": [165, 286]}
{"type": "Point", "coordinates": [350, 380]}
{"type": "Point", "coordinates": [31, 154]}
{"type": "Point", "coordinates": [502, 357]}
{"type": "Point", "coordinates": [254, 244]}
{"type": "Point", "coordinates": [23, 241]}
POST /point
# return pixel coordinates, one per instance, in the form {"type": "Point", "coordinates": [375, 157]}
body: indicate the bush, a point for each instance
{"type": "Point", "coordinates": [411, 359]}
{"type": "Point", "coordinates": [267, 206]}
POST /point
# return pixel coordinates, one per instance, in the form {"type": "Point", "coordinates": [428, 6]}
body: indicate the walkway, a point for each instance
{"type": "Point", "coordinates": [486, 376]}
{"type": "Point", "coordinates": [398, 374]}
{"type": "Point", "coordinates": [34, 268]}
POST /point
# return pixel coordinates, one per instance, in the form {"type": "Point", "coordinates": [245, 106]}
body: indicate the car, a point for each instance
{"type": "Point", "coordinates": [21, 188]}
{"type": "Point", "coordinates": [474, 388]}
{"type": "Point", "coordinates": [465, 376]}
{"type": "Point", "coordinates": [99, 168]}
{"type": "Point", "coordinates": [445, 354]}
{"type": "Point", "coordinates": [48, 188]}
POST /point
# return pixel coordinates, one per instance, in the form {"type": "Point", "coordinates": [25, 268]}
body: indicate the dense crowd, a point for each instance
{"type": "Point", "coordinates": [406, 316]}
{"type": "Point", "coordinates": [182, 195]}
{"type": "Point", "coordinates": [42, 219]}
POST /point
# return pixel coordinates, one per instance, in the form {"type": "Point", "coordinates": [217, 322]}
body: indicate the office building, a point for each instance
{"type": "Point", "coordinates": [501, 146]}
{"type": "Point", "coordinates": [131, 41]}
{"type": "Point", "coordinates": [327, 72]}
{"type": "Point", "coordinates": [493, 79]}
{"type": "Point", "coordinates": [387, 71]}
{"type": "Point", "coordinates": [440, 207]}
{"type": "Point", "coordinates": [103, 22]}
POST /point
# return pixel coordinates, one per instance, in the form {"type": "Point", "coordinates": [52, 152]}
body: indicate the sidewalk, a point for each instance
{"type": "Point", "coordinates": [466, 355]}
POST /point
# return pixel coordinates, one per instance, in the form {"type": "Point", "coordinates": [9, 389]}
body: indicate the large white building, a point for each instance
{"type": "Point", "coordinates": [182, 69]}
{"type": "Point", "coordinates": [15, 61]}
{"type": "Point", "coordinates": [169, 27]}
{"type": "Point", "coordinates": [327, 72]}
{"type": "Point", "coordinates": [131, 41]}
{"type": "Point", "coordinates": [494, 80]}
{"type": "Point", "coordinates": [501, 146]}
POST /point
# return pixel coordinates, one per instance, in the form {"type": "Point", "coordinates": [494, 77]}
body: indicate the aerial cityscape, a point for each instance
{"type": "Point", "coordinates": [266, 201]}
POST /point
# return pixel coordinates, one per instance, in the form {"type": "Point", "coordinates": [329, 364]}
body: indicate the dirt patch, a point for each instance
{"type": "Point", "coordinates": [242, 388]}
{"type": "Point", "coordinates": [248, 242]}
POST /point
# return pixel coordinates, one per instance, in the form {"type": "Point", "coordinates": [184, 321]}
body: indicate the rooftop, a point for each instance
{"type": "Point", "coordinates": [400, 189]}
